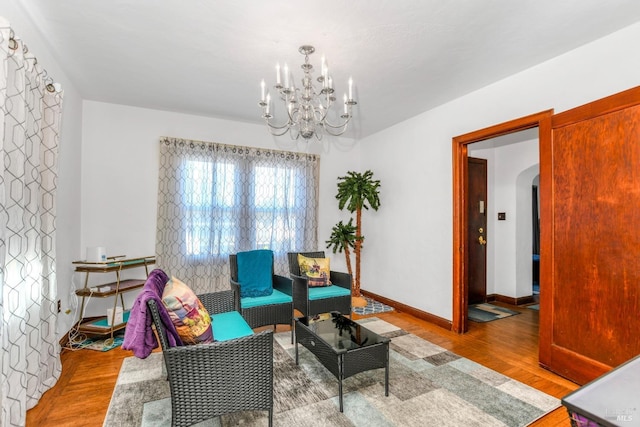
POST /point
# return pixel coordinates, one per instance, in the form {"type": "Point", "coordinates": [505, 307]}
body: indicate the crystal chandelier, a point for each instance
{"type": "Point", "coordinates": [307, 107]}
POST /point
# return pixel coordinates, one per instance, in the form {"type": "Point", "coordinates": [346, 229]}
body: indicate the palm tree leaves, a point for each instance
{"type": "Point", "coordinates": [343, 236]}
{"type": "Point", "coordinates": [357, 191]}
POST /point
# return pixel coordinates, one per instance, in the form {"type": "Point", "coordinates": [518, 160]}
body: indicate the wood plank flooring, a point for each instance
{"type": "Point", "coordinates": [508, 346]}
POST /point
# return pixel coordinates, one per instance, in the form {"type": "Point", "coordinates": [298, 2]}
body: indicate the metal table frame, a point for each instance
{"type": "Point", "coordinates": [344, 362]}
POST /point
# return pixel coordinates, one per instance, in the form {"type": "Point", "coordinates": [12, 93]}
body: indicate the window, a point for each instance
{"type": "Point", "coordinates": [215, 200]}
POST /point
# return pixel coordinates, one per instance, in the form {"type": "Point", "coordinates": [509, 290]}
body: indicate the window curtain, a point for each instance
{"type": "Point", "coordinates": [216, 199]}
{"type": "Point", "coordinates": [31, 113]}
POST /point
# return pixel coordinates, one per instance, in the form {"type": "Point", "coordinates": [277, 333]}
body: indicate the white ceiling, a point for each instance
{"type": "Point", "coordinates": [207, 57]}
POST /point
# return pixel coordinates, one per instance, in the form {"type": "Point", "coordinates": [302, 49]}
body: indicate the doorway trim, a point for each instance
{"type": "Point", "coordinates": [542, 121]}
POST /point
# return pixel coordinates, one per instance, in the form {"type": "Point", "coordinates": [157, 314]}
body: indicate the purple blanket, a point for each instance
{"type": "Point", "coordinates": [138, 335]}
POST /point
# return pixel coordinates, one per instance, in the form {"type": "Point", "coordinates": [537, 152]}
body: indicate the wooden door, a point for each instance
{"type": "Point", "coordinates": [590, 255]}
{"type": "Point", "coordinates": [477, 230]}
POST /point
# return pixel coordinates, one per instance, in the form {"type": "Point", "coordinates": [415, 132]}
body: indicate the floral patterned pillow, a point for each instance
{"type": "Point", "coordinates": [189, 316]}
{"type": "Point", "coordinates": [317, 270]}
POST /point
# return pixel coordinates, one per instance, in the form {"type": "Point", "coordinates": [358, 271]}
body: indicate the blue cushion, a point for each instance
{"type": "Point", "coordinates": [328, 292]}
{"type": "Point", "coordinates": [229, 325]}
{"type": "Point", "coordinates": [276, 297]}
{"type": "Point", "coordinates": [255, 273]}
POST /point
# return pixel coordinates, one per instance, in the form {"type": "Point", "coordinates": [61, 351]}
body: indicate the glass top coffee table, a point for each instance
{"type": "Point", "coordinates": [343, 346]}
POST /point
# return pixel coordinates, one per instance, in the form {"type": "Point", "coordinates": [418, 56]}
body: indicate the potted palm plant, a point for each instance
{"type": "Point", "coordinates": [357, 191]}
{"type": "Point", "coordinates": [343, 238]}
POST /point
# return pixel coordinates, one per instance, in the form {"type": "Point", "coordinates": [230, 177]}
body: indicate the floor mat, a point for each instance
{"type": "Point", "coordinates": [372, 307]}
{"type": "Point", "coordinates": [99, 344]}
{"type": "Point", "coordinates": [488, 312]}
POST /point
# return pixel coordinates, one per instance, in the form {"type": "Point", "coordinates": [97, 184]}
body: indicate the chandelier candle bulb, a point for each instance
{"type": "Point", "coordinates": [286, 76]}
{"type": "Point", "coordinates": [278, 81]}
{"type": "Point", "coordinates": [345, 104]}
{"type": "Point", "coordinates": [268, 102]}
{"type": "Point", "coordinates": [262, 90]}
{"type": "Point", "coordinates": [350, 88]}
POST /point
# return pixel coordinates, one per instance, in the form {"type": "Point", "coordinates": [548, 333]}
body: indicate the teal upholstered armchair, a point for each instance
{"type": "Point", "coordinates": [264, 298]}
{"type": "Point", "coordinates": [238, 365]}
{"type": "Point", "coordinates": [311, 300]}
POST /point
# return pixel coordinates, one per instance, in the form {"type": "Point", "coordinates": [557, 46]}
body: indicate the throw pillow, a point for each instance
{"type": "Point", "coordinates": [317, 270]}
{"type": "Point", "coordinates": [189, 316]}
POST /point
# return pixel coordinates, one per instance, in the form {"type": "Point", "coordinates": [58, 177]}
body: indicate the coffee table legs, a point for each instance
{"type": "Point", "coordinates": [386, 374]}
{"type": "Point", "coordinates": [340, 378]}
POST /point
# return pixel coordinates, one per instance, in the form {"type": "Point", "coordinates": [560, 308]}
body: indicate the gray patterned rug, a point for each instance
{"type": "Point", "coordinates": [428, 386]}
{"type": "Point", "coordinates": [372, 307]}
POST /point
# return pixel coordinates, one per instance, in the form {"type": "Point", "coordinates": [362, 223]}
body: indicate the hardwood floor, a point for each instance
{"type": "Point", "coordinates": [508, 346]}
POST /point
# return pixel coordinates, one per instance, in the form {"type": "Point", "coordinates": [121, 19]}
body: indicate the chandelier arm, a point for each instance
{"type": "Point", "coordinates": [326, 129]}
{"type": "Point", "coordinates": [274, 133]}
{"type": "Point", "coordinates": [276, 127]}
{"type": "Point", "coordinates": [332, 126]}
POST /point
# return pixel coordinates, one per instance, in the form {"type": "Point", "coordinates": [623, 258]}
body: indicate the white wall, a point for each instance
{"type": "Point", "coordinates": [120, 173]}
{"type": "Point", "coordinates": [68, 193]}
{"type": "Point", "coordinates": [408, 252]}
{"type": "Point", "coordinates": [509, 241]}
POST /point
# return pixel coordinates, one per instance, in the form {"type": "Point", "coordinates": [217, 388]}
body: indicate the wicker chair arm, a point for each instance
{"type": "Point", "coordinates": [235, 287]}
{"type": "Point", "coordinates": [341, 279]}
{"type": "Point", "coordinates": [283, 284]}
{"type": "Point", "coordinates": [300, 292]}
{"type": "Point", "coordinates": [218, 302]}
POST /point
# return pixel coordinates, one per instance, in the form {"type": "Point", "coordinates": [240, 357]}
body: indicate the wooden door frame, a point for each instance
{"type": "Point", "coordinates": [542, 121]}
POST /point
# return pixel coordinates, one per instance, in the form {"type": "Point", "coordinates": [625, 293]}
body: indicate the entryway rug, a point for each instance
{"type": "Point", "coordinates": [428, 386]}
{"type": "Point", "coordinates": [487, 312]}
{"type": "Point", "coordinates": [372, 307]}
{"type": "Point", "coordinates": [534, 307]}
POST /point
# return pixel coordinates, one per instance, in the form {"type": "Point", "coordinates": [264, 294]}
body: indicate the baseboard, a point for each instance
{"type": "Point", "coordinates": [511, 300]}
{"type": "Point", "coordinates": [422, 315]}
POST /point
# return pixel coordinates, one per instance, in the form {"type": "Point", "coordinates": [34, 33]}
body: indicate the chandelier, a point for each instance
{"type": "Point", "coordinates": [307, 107]}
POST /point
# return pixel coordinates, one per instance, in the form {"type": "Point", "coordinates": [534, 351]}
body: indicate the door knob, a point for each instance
{"type": "Point", "coordinates": [482, 240]}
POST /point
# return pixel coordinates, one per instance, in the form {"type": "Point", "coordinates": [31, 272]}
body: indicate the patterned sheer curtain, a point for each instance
{"type": "Point", "coordinates": [215, 200]}
{"type": "Point", "coordinates": [29, 125]}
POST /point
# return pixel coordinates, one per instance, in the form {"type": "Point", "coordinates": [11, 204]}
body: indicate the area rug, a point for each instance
{"type": "Point", "coordinates": [99, 344]}
{"type": "Point", "coordinates": [487, 312]}
{"type": "Point", "coordinates": [372, 307]}
{"type": "Point", "coordinates": [428, 386]}
{"type": "Point", "coordinates": [534, 307]}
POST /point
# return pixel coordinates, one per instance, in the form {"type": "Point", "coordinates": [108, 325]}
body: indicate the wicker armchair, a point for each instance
{"type": "Point", "coordinates": [266, 313]}
{"type": "Point", "coordinates": [209, 380]}
{"type": "Point", "coordinates": [307, 303]}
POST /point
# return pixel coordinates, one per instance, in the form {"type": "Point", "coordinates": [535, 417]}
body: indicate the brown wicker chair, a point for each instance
{"type": "Point", "coordinates": [312, 306]}
{"type": "Point", "coordinates": [209, 380]}
{"type": "Point", "coordinates": [267, 313]}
